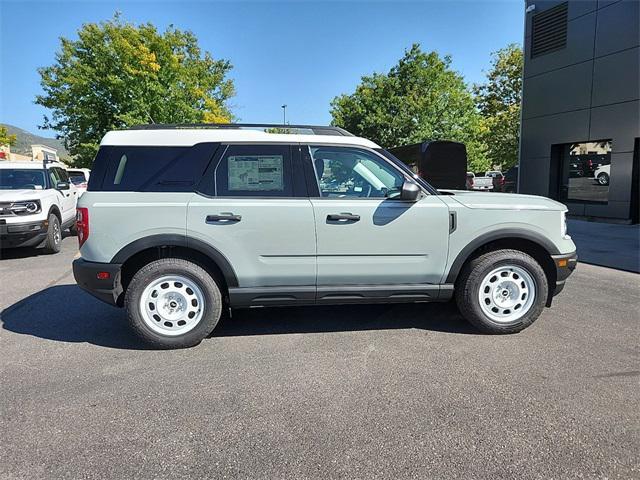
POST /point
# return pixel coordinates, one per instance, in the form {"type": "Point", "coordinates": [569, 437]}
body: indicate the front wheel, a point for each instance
{"type": "Point", "coordinates": [502, 291]}
{"type": "Point", "coordinates": [53, 242]}
{"type": "Point", "coordinates": [173, 303]}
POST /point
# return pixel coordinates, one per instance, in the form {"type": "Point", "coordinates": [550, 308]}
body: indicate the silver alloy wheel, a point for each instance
{"type": "Point", "coordinates": [603, 179]}
{"type": "Point", "coordinates": [172, 305]}
{"type": "Point", "coordinates": [507, 293]}
{"type": "Point", "coordinates": [57, 236]}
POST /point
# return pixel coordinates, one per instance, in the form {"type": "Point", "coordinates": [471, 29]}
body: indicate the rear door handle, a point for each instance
{"type": "Point", "coordinates": [223, 218]}
{"type": "Point", "coordinates": [343, 217]}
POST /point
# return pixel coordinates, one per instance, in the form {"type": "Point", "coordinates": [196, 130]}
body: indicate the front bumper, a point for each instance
{"type": "Point", "coordinates": [107, 289]}
{"type": "Point", "coordinates": [565, 265]}
{"type": "Point", "coordinates": [24, 234]}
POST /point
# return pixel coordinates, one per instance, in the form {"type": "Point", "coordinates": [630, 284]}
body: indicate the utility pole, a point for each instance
{"type": "Point", "coordinates": [284, 114]}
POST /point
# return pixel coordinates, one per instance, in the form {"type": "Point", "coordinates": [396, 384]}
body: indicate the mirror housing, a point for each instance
{"type": "Point", "coordinates": [62, 186]}
{"type": "Point", "coordinates": [410, 191]}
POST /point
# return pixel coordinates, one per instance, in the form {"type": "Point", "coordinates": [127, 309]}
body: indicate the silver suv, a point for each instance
{"type": "Point", "coordinates": [180, 223]}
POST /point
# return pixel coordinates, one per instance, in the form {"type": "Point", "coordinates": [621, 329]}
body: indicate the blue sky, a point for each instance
{"type": "Point", "coordinates": [302, 53]}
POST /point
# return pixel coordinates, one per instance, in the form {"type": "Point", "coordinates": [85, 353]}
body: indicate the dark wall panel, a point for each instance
{"type": "Point", "coordinates": [538, 134]}
{"type": "Point", "coordinates": [534, 176]}
{"type": "Point", "coordinates": [617, 210]}
{"type": "Point", "coordinates": [616, 78]}
{"type": "Point", "coordinates": [576, 9]}
{"type": "Point", "coordinates": [621, 170]}
{"type": "Point", "coordinates": [618, 27]}
{"type": "Point", "coordinates": [558, 91]}
{"type": "Point", "coordinates": [619, 122]}
{"type": "Point", "coordinates": [580, 37]}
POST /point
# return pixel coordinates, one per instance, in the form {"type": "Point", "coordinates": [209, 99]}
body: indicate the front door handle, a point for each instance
{"type": "Point", "coordinates": [343, 217]}
{"type": "Point", "coordinates": [223, 218]}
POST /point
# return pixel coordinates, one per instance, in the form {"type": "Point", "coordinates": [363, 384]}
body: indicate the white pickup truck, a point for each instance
{"type": "Point", "coordinates": [479, 183]}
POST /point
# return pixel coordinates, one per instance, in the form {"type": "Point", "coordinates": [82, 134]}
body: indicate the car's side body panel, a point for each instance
{"type": "Point", "coordinates": [117, 219]}
{"type": "Point", "coordinates": [393, 241]}
{"type": "Point", "coordinates": [273, 242]}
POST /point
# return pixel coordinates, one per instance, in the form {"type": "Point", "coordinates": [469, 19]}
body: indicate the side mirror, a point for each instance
{"type": "Point", "coordinates": [62, 186]}
{"type": "Point", "coordinates": [410, 191]}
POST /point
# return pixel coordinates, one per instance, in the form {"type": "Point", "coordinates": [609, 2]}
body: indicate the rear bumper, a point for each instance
{"type": "Point", "coordinates": [108, 289]}
{"type": "Point", "coordinates": [565, 265]}
{"type": "Point", "coordinates": [26, 234]}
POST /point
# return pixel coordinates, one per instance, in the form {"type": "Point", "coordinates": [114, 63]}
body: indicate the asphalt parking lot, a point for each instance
{"type": "Point", "coordinates": [404, 391]}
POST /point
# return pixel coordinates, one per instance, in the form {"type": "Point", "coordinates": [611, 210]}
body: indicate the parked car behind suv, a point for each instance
{"type": "Point", "coordinates": [80, 178]}
{"type": "Point", "coordinates": [181, 223]}
{"type": "Point", "coordinates": [37, 202]}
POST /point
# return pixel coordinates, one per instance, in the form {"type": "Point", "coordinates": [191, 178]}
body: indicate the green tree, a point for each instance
{"type": "Point", "coordinates": [420, 98]}
{"type": "Point", "coordinates": [5, 137]}
{"type": "Point", "coordinates": [117, 74]}
{"type": "Point", "coordinates": [498, 101]}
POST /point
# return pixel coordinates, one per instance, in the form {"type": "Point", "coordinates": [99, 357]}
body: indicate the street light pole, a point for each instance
{"type": "Point", "coordinates": [284, 114]}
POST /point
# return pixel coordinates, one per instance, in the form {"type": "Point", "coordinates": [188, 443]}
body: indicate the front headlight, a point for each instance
{"type": "Point", "coordinates": [28, 207]}
{"type": "Point", "coordinates": [563, 223]}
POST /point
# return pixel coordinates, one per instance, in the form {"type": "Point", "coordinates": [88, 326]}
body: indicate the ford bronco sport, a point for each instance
{"type": "Point", "coordinates": [37, 202]}
{"type": "Point", "coordinates": [182, 222]}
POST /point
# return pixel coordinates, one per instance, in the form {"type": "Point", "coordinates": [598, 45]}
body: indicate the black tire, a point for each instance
{"type": "Point", "coordinates": [185, 268]}
{"type": "Point", "coordinates": [471, 277]}
{"type": "Point", "coordinates": [603, 179]}
{"type": "Point", "coordinates": [53, 242]}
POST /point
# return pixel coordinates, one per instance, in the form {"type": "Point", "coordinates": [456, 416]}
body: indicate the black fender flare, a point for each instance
{"type": "Point", "coordinates": [500, 234]}
{"type": "Point", "coordinates": [175, 240]}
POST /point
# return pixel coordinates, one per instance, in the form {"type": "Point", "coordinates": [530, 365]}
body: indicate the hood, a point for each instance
{"type": "Point", "coordinates": [7, 196]}
{"type": "Point", "coordinates": [504, 201]}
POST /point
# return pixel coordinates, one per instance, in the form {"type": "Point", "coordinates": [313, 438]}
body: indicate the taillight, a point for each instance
{"type": "Point", "coordinates": [82, 224]}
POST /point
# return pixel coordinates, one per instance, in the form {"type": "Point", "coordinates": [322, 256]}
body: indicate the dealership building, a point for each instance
{"type": "Point", "coordinates": [581, 106]}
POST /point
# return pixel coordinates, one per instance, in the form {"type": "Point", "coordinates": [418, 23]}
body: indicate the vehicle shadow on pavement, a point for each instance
{"type": "Point", "coordinates": [439, 317]}
{"type": "Point", "coordinates": [65, 313]}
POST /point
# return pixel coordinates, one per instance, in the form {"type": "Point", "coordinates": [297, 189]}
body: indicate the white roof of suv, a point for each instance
{"type": "Point", "coordinates": [190, 136]}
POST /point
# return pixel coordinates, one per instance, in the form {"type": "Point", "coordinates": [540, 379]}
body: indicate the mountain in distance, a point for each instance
{"type": "Point", "coordinates": [26, 139]}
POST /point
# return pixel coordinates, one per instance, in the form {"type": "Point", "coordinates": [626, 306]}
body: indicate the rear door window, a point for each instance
{"type": "Point", "coordinates": [255, 171]}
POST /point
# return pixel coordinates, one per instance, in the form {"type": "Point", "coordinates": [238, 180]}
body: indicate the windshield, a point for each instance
{"type": "Point", "coordinates": [21, 178]}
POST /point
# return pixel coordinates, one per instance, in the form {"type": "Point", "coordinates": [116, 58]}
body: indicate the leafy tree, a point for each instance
{"type": "Point", "coordinates": [5, 137]}
{"type": "Point", "coordinates": [117, 74]}
{"type": "Point", "coordinates": [498, 101]}
{"type": "Point", "coordinates": [420, 98]}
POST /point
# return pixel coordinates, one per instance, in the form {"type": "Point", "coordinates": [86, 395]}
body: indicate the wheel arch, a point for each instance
{"type": "Point", "coordinates": [56, 211]}
{"type": "Point", "coordinates": [531, 243]}
{"type": "Point", "coordinates": [140, 252]}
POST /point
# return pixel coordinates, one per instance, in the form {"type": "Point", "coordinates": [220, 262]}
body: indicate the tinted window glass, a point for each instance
{"type": "Point", "coordinates": [255, 171]}
{"type": "Point", "coordinates": [350, 172]}
{"type": "Point", "coordinates": [585, 171]}
{"type": "Point", "coordinates": [62, 174]}
{"type": "Point", "coordinates": [21, 178]}
{"type": "Point", "coordinates": [150, 169]}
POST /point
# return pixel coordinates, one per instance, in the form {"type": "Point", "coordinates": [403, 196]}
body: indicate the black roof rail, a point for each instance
{"type": "Point", "coordinates": [315, 129]}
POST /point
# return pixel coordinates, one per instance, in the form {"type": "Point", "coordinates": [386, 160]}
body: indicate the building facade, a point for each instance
{"type": "Point", "coordinates": [581, 106]}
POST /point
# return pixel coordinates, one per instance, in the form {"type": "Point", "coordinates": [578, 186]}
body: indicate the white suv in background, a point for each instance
{"type": "Point", "coordinates": [37, 202]}
{"type": "Point", "coordinates": [80, 178]}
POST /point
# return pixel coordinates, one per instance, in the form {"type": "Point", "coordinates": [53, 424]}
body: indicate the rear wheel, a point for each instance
{"type": "Point", "coordinates": [603, 179]}
{"type": "Point", "coordinates": [54, 235]}
{"type": "Point", "coordinates": [503, 291]}
{"type": "Point", "coordinates": [173, 303]}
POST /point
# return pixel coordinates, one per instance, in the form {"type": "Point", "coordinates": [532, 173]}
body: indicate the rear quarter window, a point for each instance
{"type": "Point", "coordinates": [150, 169]}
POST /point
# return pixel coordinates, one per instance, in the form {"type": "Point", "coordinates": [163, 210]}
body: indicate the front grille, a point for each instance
{"type": "Point", "coordinates": [5, 210]}
{"type": "Point", "coordinates": [549, 30]}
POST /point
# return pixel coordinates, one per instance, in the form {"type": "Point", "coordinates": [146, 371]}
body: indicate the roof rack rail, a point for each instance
{"type": "Point", "coordinates": [277, 128]}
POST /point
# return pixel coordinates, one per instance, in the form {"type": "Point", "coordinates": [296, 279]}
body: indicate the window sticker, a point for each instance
{"type": "Point", "coordinates": [256, 173]}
